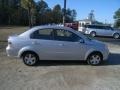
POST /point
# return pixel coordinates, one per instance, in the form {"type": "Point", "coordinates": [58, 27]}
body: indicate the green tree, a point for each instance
{"type": "Point", "coordinates": [57, 14]}
{"type": "Point", "coordinates": [41, 6]}
{"type": "Point", "coordinates": [29, 5]}
{"type": "Point", "coordinates": [8, 11]}
{"type": "Point", "coordinates": [41, 11]}
{"type": "Point", "coordinates": [117, 18]}
{"type": "Point", "coordinates": [5, 12]}
{"type": "Point", "coordinates": [29, 12]}
{"type": "Point", "coordinates": [70, 15]}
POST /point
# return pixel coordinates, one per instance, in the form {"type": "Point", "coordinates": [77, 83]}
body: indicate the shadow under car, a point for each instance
{"type": "Point", "coordinates": [114, 59]}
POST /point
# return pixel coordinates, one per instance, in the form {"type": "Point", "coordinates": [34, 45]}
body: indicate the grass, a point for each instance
{"type": "Point", "coordinates": [10, 30]}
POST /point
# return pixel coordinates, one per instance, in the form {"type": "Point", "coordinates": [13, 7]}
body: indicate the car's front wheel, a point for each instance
{"type": "Point", "coordinates": [94, 59]}
{"type": "Point", "coordinates": [93, 34]}
{"type": "Point", "coordinates": [30, 58]}
{"type": "Point", "coordinates": [116, 35]}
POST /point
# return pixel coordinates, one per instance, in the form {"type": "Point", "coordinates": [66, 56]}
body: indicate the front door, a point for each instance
{"type": "Point", "coordinates": [68, 46]}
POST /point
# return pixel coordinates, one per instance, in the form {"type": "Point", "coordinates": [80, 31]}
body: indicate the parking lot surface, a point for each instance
{"type": "Point", "coordinates": [61, 75]}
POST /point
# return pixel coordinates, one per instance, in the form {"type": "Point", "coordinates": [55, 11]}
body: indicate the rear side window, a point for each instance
{"type": "Point", "coordinates": [46, 34]}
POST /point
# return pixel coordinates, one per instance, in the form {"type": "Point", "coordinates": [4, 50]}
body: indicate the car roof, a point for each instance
{"type": "Point", "coordinates": [28, 32]}
{"type": "Point", "coordinates": [50, 26]}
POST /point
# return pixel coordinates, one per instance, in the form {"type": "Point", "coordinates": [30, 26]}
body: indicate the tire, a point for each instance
{"type": "Point", "coordinates": [30, 59]}
{"type": "Point", "coordinates": [93, 34]}
{"type": "Point", "coordinates": [95, 59]}
{"type": "Point", "coordinates": [116, 35]}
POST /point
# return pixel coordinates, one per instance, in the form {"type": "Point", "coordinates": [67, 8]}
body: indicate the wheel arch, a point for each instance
{"type": "Point", "coordinates": [93, 31]}
{"type": "Point", "coordinates": [115, 33]}
{"type": "Point", "coordinates": [93, 52]}
{"type": "Point", "coordinates": [27, 49]}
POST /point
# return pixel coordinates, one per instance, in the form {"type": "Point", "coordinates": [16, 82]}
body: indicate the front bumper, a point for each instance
{"type": "Point", "coordinates": [86, 32]}
{"type": "Point", "coordinates": [106, 54]}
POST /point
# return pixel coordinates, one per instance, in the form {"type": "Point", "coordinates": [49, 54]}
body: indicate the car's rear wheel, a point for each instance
{"type": "Point", "coordinates": [116, 36]}
{"type": "Point", "coordinates": [94, 59]}
{"type": "Point", "coordinates": [93, 34]}
{"type": "Point", "coordinates": [30, 58]}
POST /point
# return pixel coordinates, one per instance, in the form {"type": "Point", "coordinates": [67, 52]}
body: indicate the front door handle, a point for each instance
{"type": "Point", "coordinates": [35, 42]}
{"type": "Point", "coordinates": [61, 44]}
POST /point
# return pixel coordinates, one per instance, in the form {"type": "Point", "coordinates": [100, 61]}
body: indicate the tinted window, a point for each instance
{"type": "Point", "coordinates": [95, 27]}
{"type": "Point", "coordinates": [43, 34]}
{"type": "Point", "coordinates": [108, 28]}
{"type": "Point", "coordinates": [64, 35]}
{"type": "Point", "coordinates": [90, 26]}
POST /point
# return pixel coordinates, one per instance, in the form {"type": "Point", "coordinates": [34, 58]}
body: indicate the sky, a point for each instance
{"type": "Point", "coordinates": [103, 9]}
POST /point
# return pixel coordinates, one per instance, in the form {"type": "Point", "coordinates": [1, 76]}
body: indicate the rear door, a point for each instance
{"type": "Point", "coordinates": [43, 42]}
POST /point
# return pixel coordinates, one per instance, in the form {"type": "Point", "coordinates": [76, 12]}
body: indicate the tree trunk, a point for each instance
{"type": "Point", "coordinates": [29, 17]}
{"type": "Point", "coordinates": [9, 20]}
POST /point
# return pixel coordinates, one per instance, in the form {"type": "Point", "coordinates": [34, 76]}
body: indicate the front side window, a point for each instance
{"type": "Point", "coordinates": [108, 28]}
{"type": "Point", "coordinates": [91, 26]}
{"type": "Point", "coordinates": [95, 27]}
{"type": "Point", "coordinates": [43, 34]}
{"type": "Point", "coordinates": [64, 35]}
{"type": "Point", "coordinates": [100, 27]}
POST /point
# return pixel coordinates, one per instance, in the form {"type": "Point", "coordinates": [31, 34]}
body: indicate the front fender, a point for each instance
{"type": "Point", "coordinates": [91, 51]}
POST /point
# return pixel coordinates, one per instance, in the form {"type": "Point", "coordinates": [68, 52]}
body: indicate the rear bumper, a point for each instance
{"type": "Point", "coordinates": [12, 52]}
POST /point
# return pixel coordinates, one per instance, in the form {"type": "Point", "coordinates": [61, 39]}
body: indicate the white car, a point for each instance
{"type": "Point", "coordinates": [55, 43]}
{"type": "Point", "coordinates": [100, 30]}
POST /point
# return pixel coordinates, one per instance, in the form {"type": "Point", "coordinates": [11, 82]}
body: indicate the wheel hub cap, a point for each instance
{"type": "Point", "coordinates": [30, 59]}
{"type": "Point", "coordinates": [95, 59]}
{"type": "Point", "coordinates": [116, 36]}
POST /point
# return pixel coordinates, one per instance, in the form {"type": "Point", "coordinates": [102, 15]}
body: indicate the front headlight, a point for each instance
{"type": "Point", "coordinates": [87, 31]}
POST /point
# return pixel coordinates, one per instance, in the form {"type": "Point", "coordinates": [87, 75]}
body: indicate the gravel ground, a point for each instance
{"type": "Point", "coordinates": [60, 75]}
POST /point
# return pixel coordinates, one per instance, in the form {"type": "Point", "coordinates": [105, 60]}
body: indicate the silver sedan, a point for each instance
{"type": "Point", "coordinates": [56, 43]}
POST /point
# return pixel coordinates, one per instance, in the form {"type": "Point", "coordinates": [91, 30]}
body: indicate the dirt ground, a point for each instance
{"type": "Point", "coordinates": [59, 75]}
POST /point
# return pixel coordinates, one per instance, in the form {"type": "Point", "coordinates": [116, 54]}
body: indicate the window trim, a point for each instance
{"type": "Point", "coordinates": [53, 37]}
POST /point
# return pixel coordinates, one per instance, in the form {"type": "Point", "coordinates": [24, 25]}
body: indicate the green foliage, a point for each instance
{"type": "Point", "coordinates": [57, 14]}
{"type": "Point", "coordinates": [29, 12]}
{"type": "Point", "coordinates": [70, 15]}
{"type": "Point", "coordinates": [27, 4]}
{"type": "Point", "coordinates": [117, 18]}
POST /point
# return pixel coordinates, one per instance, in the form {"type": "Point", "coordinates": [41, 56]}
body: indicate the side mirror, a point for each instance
{"type": "Point", "coordinates": [81, 41]}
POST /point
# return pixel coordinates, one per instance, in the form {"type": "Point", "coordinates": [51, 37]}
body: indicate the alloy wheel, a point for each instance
{"type": "Point", "coordinates": [30, 59]}
{"type": "Point", "coordinates": [95, 59]}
